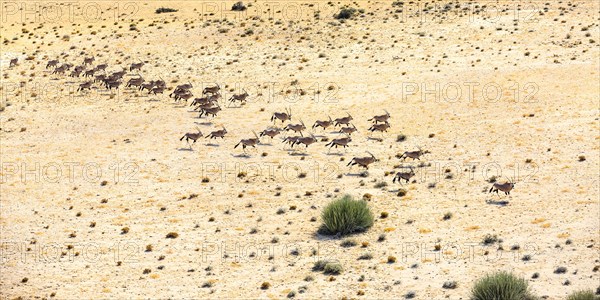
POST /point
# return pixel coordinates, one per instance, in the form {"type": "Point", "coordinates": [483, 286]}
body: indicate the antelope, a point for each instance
{"type": "Point", "coordinates": [348, 130]}
{"type": "Point", "coordinates": [60, 70]}
{"type": "Point", "coordinates": [157, 90]}
{"type": "Point", "coordinates": [185, 96]}
{"type": "Point", "coordinates": [305, 140]}
{"type": "Point", "coordinates": [200, 101]}
{"type": "Point", "coordinates": [380, 127]}
{"type": "Point", "coordinates": [381, 118]}
{"type": "Point", "coordinates": [119, 74]}
{"type": "Point", "coordinates": [343, 121]}
{"type": "Point", "coordinates": [504, 187]}
{"type": "Point", "coordinates": [284, 116]}
{"type": "Point", "coordinates": [13, 62]}
{"type": "Point", "coordinates": [271, 132]}
{"type": "Point", "coordinates": [148, 86]}
{"type": "Point", "coordinates": [212, 89]}
{"type": "Point", "coordinates": [363, 161]}
{"type": "Point", "coordinates": [342, 142]}
{"type": "Point", "coordinates": [101, 67]}
{"type": "Point", "coordinates": [85, 85]}
{"type": "Point", "coordinates": [404, 175]}
{"type": "Point", "coordinates": [137, 82]}
{"type": "Point", "coordinates": [88, 60]}
{"type": "Point", "coordinates": [291, 140]}
{"type": "Point", "coordinates": [180, 89]}
{"type": "Point", "coordinates": [75, 73]}
{"type": "Point", "coordinates": [136, 66]}
{"type": "Point", "coordinates": [210, 111]}
{"type": "Point", "coordinates": [323, 124]}
{"type": "Point", "coordinates": [89, 73]}
{"type": "Point", "coordinates": [219, 133]}
{"type": "Point", "coordinates": [112, 84]}
{"type": "Point", "coordinates": [239, 97]}
{"type": "Point", "coordinates": [252, 142]}
{"type": "Point", "coordinates": [194, 136]}
{"type": "Point", "coordinates": [100, 77]}
{"type": "Point", "coordinates": [414, 154]}
{"type": "Point", "coordinates": [296, 127]}
{"type": "Point", "coordinates": [52, 63]}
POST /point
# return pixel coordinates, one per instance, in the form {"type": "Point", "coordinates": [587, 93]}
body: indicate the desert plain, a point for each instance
{"type": "Point", "coordinates": [100, 198]}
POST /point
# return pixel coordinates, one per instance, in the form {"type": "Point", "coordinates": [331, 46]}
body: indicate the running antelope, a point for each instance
{"type": "Point", "coordinates": [363, 161]}
{"type": "Point", "coordinates": [381, 118]}
{"type": "Point", "coordinates": [380, 127]}
{"type": "Point", "coordinates": [342, 142]}
{"type": "Point", "coordinates": [252, 142]}
{"type": "Point", "coordinates": [343, 121]}
{"type": "Point", "coordinates": [194, 136]}
{"type": "Point", "coordinates": [89, 73]}
{"type": "Point", "coordinates": [239, 97]}
{"type": "Point", "coordinates": [88, 60]}
{"type": "Point", "coordinates": [284, 116]}
{"type": "Point", "coordinates": [291, 140]}
{"type": "Point", "coordinates": [348, 130]}
{"type": "Point", "coordinates": [296, 127]}
{"type": "Point", "coordinates": [210, 111]}
{"type": "Point", "coordinates": [180, 89]}
{"type": "Point", "coordinates": [136, 66]}
{"type": "Point", "coordinates": [414, 154]}
{"type": "Point", "coordinates": [504, 187]}
{"type": "Point", "coordinates": [101, 67]}
{"type": "Point", "coordinates": [13, 62]}
{"type": "Point", "coordinates": [86, 85]}
{"type": "Point", "coordinates": [323, 124]}
{"type": "Point", "coordinates": [271, 132]}
{"type": "Point", "coordinates": [212, 89]}
{"type": "Point", "coordinates": [404, 175]}
{"type": "Point", "coordinates": [137, 82]}
{"type": "Point", "coordinates": [219, 133]}
{"type": "Point", "coordinates": [306, 141]}
{"type": "Point", "coordinates": [52, 63]}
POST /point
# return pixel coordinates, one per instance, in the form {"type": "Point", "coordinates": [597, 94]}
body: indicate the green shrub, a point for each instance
{"type": "Point", "coordinates": [345, 216]}
{"type": "Point", "coordinates": [583, 295]}
{"type": "Point", "coordinates": [333, 268]}
{"type": "Point", "coordinates": [501, 286]}
{"type": "Point", "coordinates": [346, 13]}
{"type": "Point", "coordinates": [165, 10]}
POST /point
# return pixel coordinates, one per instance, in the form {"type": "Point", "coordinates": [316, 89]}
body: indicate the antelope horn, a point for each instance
{"type": "Point", "coordinates": [329, 118]}
{"type": "Point", "coordinates": [371, 154]}
{"type": "Point", "coordinates": [190, 84]}
{"type": "Point", "coordinates": [255, 134]}
{"type": "Point", "coordinates": [218, 85]}
{"type": "Point", "coordinates": [386, 112]}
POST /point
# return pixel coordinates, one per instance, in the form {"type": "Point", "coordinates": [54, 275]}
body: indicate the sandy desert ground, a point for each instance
{"type": "Point", "coordinates": [94, 181]}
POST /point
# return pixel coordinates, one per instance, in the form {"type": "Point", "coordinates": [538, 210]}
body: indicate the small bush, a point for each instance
{"type": "Point", "coordinates": [332, 268]}
{"type": "Point", "coordinates": [345, 216]}
{"type": "Point", "coordinates": [489, 239]}
{"type": "Point", "coordinates": [391, 259]}
{"type": "Point", "coordinates": [366, 256]}
{"type": "Point", "coordinates": [165, 10]}
{"type": "Point", "coordinates": [172, 235]}
{"type": "Point", "coordinates": [560, 270]}
{"type": "Point", "coordinates": [265, 285]}
{"type": "Point", "coordinates": [349, 243]}
{"type": "Point", "coordinates": [501, 285]}
{"type": "Point", "coordinates": [582, 295]}
{"type": "Point", "coordinates": [239, 6]}
{"type": "Point", "coordinates": [346, 13]}
{"type": "Point", "coordinates": [449, 285]}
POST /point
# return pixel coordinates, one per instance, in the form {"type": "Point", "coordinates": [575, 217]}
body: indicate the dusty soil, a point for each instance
{"type": "Point", "coordinates": [94, 181]}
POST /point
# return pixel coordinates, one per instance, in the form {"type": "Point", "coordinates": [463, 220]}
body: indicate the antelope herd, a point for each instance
{"type": "Point", "coordinates": [208, 106]}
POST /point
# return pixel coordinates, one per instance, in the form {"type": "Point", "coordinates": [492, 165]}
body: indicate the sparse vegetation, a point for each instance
{"type": "Point", "coordinates": [501, 285]}
{"type": "Point", "coordinates": [165, 10]}
{"type": "Point", "coordinates": [345, 215]}
{"type": "Point", "coordinates": [583, 295]}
